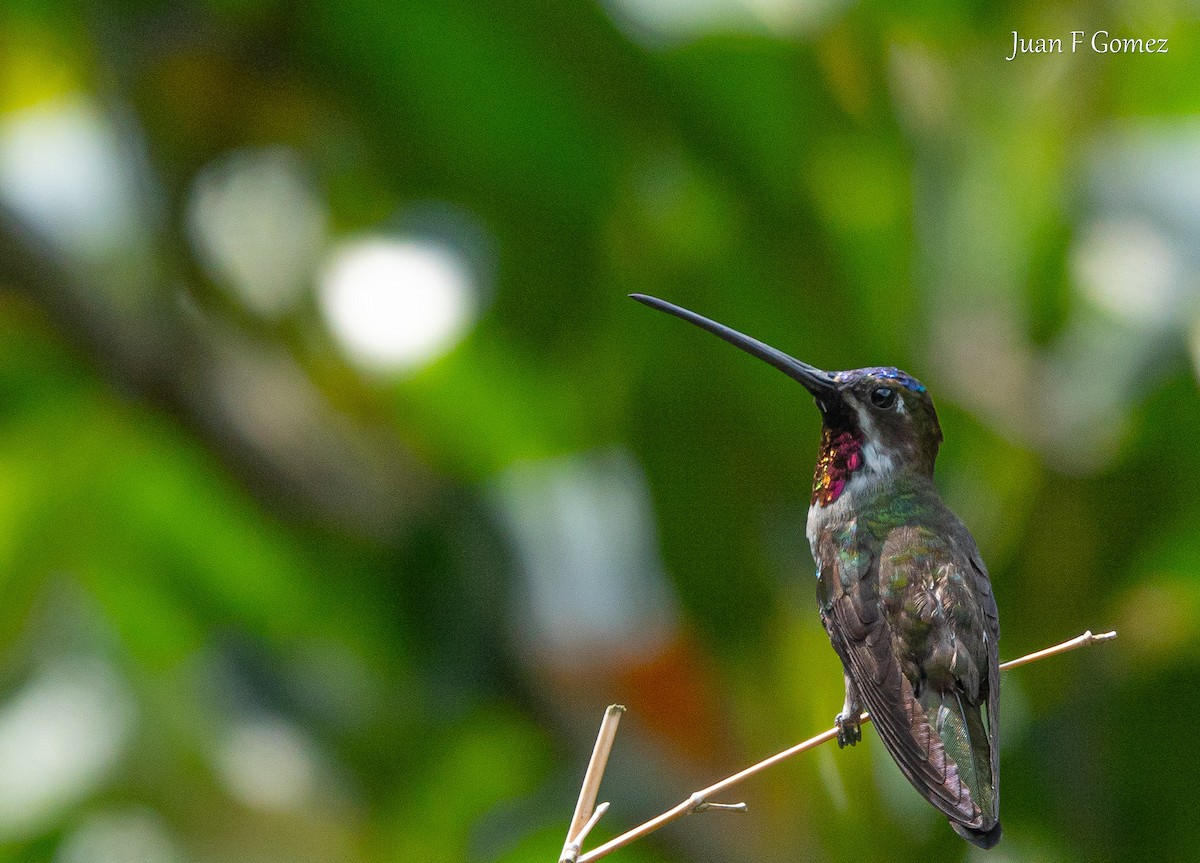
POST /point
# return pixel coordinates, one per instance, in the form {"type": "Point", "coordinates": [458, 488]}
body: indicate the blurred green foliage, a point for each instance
{"type": "Point", "coordinates": [270, 596]}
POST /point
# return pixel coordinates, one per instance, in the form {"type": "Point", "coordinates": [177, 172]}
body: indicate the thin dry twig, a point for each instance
{"type": "Point", "coordinates": [699, 801]}
{"type": "Point", "coordinates": [1080, 641]}
{"type": "Point", "coordinates": [585, 818]}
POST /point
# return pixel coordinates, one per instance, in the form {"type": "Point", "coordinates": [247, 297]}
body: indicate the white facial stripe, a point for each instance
{"type": "Point", "coordinates": [876, 459]}
{"type": "Point", "coordinates": [865, 424]}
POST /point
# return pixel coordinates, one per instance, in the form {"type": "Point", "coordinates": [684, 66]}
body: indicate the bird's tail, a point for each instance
{"type": "Point", "coordinates": [982, 838]}
{"type": "Point", "coordinates": [964, 735]}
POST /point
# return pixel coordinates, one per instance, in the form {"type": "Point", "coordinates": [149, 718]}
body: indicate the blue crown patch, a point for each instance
{"type": "Point", "coordinates": [903, 378]}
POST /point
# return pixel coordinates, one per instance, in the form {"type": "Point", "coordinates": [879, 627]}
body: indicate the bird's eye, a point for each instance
{"type": "Point", "coordinates": [883, 397]}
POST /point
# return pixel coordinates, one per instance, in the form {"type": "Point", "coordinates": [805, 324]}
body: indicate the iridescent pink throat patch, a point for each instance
{"type": "Point", "coordinates": [841, 455]}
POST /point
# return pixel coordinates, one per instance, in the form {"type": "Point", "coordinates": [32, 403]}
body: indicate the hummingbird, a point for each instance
{"type": "Point", "coordinates": [901, 588]}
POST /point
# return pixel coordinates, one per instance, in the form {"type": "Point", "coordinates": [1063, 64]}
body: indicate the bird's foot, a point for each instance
{"type": "Point", "coordinates": [849, 729]}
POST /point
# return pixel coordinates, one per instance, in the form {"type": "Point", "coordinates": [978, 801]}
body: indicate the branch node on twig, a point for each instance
{"type": "Point", "coordinates": [698, 802]}
{"type": "Point", "coordinates": [574, 846]}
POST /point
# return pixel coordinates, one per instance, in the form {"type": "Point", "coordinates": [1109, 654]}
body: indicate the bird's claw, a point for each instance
{"type": "Point", "coordinates": [849, 729]}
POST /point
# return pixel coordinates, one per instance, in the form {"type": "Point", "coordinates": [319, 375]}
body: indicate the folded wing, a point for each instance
{"type": "Point", "coordinates": [917, 631]}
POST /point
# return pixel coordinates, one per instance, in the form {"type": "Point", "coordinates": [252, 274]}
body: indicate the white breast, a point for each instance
{"type": "Point", "coordinates": [861, 485]}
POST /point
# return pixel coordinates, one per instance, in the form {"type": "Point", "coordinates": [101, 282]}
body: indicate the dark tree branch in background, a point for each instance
{"type": "Point", "coordinates": [699, 801]}
{"type": "Point", "coordinates": [202, 360]}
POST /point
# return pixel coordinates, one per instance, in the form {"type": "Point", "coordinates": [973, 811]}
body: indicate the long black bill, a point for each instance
{"type": "Point", "coordinates": [819, 383]}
